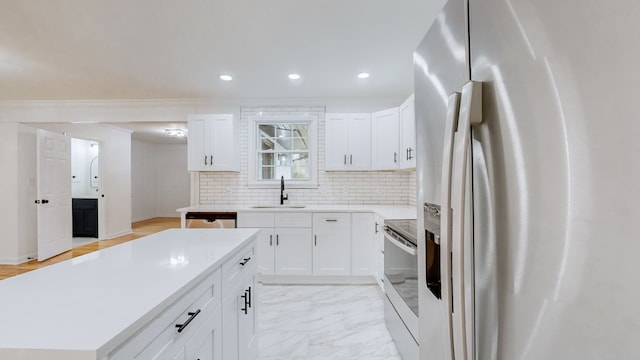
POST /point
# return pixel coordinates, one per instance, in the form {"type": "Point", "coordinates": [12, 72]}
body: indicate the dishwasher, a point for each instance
{"type": "Point", "coordinates": [220, 220]}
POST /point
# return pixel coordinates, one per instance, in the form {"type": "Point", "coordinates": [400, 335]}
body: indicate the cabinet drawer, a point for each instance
{"type": "Point", "coordinates": [255, 219]}
{"type": "Point", "coordinates": [331, 220]}
{"type": "Point", "coordinates": [233, 270]}
{"type": "Point", "coordinates": [293, 220]}
{"type": "Point", "coordinates": [160, 336]}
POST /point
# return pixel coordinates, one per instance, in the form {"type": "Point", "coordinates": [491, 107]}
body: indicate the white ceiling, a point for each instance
{"type": "Point", "coordinates": [176, 49]}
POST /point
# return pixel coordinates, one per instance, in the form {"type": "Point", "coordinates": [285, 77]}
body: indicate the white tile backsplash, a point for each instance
{"type": "Point", "coordinates": [354, 187]}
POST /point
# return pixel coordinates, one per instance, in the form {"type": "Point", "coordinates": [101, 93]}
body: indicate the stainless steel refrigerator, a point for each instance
{"type": "Point", "coordinates": [533, 170]}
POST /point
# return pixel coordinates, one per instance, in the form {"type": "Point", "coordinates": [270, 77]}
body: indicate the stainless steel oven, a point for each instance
{"type": "Point", "coordinates": [401, 284]}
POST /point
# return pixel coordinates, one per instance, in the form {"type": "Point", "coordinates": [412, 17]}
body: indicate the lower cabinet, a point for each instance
{"type": "Point", "coordinates": [363, 245]}
{"type": "Point", "coordinates": [215, 320]}
{"type": "Point", "coordinates": [238, 308]}
{"type": "Point", "coordinates": [331, 244]}
{"type": "Point", "coordinates": [284, 243]}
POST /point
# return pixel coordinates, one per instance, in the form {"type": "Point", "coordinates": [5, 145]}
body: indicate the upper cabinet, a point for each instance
{"type": "Point", "coordinates": [348, 142]}
{"type": "Point", "coordinates": [385, 139]}
{"type": "Point", "coordinates": [408, 134]}
{"type": "Point", "coordinates": [213, 143]}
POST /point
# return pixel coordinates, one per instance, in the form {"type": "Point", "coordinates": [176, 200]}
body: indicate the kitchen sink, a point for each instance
{"type": "Point", "coordinates": [276, 206]}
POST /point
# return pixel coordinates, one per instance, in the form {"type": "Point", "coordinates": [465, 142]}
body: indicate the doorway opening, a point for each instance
{"type": "Point", "coordinates": [86, 191]}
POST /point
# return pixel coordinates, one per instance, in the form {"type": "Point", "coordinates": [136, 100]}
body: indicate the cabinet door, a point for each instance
{"type": "Point", "coordinates": [331, 244]}
{"type": "Point", "coordinates": [223, 143]}
{"type": "Point", "coordinates": [265, 249]}
{"type": "Point", "coordinates": [213, 143]}
{"type": "Point", "coordinates": [197, 154]}
{"type": "Point", "coordinates": [379, 249]}
{"type": "Point", "coordinates": [206, 344]}
{"type": "Point", "coordinates": [408, 134]}
{"type": "Point", "coordinates": [248, 341]}
{"type": "Point", "coordinates": [364, 257]}
{"type": "Point", "coordinates": [336, 141]}
{"type": "Point", "coordinates": [385, 138]}
{"type": "Point", "coordinates": [293, 251]}
{"type": "Point", "coordinates": [359, 142]}
{"type": "Point", "coordinates": [231, 306]}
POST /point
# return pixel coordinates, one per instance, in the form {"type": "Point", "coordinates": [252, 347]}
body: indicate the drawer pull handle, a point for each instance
{"type": "Point", "coordinates": [331, 220]}
{"type": "Point", "coordinates": [192, 315]}
{"type": "Point", "coordinates": [245, 261]}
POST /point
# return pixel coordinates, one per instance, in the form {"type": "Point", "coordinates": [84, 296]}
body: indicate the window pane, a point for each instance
{"type": "Point", "coordinates": [283, 144]}
{"type": "Point", "coordinates": [266, 159]}
{"type": "Point", "coordinates": [282, 159]}
{"type": "Point", "coordinates": [266, 173]}
{"type": "Point", "coordinates": [300, 166]}
{"type": "Point", "coordinates": [300, 144]}
{"type": "Point", "coordinates": [300, 130]}
{"type": "Point", "coordinates": [266, 144]}
{"type": "Point", "coordinates": [266, 130]}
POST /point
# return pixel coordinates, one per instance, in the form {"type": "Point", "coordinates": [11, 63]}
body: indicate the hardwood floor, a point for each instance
{"type": "Point", "coordinates": [140, 229]}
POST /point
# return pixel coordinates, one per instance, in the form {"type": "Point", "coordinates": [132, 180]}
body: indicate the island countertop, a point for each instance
{"type": "Point", "coordinates": [86, 306]}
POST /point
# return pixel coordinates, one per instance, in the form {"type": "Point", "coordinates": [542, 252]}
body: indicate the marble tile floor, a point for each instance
{"type": "Point", "coordinates": [323, 322]}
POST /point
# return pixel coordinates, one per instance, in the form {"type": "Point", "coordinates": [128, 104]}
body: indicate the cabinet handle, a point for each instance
{"type": "Point", "coordinates": [410, 153]}
{"type": "Point", "coordinates": [395, 157]}
{"type": "Point", "coordinates": [205, 160]}
{"type": "Point", "coordinates": [270, 240]}
{"type": "Point", "coordinates": [345, 159]}
{"type": "Point", "coordinates": [211, 159]}
{"type": "Point", "coordinates": [407, 153]}
{"type": "Point", "coordinates": [315, 240]}
{"type": "Point", "coordinates": [192, 315]}
{"type": "Point", "coordinates": [351, 159]}
{"type": "Point", "coordinates": [377, 227]}
{"type": "Point", "coordinates": [246, 304]}
{"type": "Point", "coordinates": [331, 220]}
{"type": "Point", "coordinates": [249, 292]}
{"type": "Point", "coordinates": [245, 261]}
{"type": "Point", "coordinates": [277, 238]}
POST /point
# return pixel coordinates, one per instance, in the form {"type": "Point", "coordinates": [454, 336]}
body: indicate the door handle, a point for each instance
{"type": "Point", "coordinates": [351, 159]}
{"type": "Point", "coordinates": [277, 238]}
{"type": "Point", "coordinates": [376, 228]}
{"type": "Point", "coordinates": [246, 304]}
{"type": "Point", "coordinates": [451, 123]}
{"type": "Point", "coordinates": [205, 160]}
{"type": "Point", "coordinates": [410, 153]}
{"type": "Point", "coordinates": [345, 159]}
{"type": "Point", "coordinates": [395, 157]}
{"type": "Point", "coordinates": [249, 293]}
{"type": "Point", "coordinates": [470, 115]}
{"type": "Point", "coordinates": [315, 240]}
{"type": "Point", "coordinates": [270, 240]}
{"type": "Point", "coordinates": [211, 159]}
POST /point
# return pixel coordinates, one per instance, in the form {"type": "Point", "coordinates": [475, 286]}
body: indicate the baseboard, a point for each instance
{"type": "Point", "coordinates": [115, 235]}
{"type": "Point", "coordinates": [17, 260]}
{"type": "Point", "coordinates": [316, 280]}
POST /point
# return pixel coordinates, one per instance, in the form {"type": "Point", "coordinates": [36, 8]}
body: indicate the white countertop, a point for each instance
{"type": "Point", "coordinates": [90, 304]}
{"type": "Point", "coordinates": [385, 211]}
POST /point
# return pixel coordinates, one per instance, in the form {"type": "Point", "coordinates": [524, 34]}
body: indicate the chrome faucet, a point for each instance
{"type": "Point", "coordinates": [283, 196]}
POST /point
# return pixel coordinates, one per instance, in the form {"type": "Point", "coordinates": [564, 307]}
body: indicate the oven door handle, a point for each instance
{"type": "Point", "coordinates": [408, 249]}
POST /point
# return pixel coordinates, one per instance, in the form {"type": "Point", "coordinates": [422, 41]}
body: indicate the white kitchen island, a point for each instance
{"type": "Point", "coordinates": [126, 301]}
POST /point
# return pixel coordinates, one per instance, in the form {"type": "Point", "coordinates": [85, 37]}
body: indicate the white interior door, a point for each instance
{"type": "Point", "coordinates": [54, 194]}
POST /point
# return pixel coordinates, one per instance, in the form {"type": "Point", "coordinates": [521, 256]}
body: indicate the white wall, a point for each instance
{"type": "Point", "coordinates": [18, 180]}
{"type": "Point", "coordinates": [160, 183]}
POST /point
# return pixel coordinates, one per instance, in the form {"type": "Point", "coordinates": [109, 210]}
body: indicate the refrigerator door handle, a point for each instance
{"type": "Point", "coordinates": [470, 115]}
{"type": "Point", "coordinates": [451, 123]}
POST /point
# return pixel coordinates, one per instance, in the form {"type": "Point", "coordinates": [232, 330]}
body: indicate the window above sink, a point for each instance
{"type": "Point", "coordinates": [283, 146]}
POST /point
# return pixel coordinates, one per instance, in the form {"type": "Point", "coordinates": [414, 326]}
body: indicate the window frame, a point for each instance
{"type": "Point", "coordinates": [252, 151]}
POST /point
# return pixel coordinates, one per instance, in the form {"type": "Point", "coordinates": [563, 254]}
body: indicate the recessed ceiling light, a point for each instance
{"type": "Point", "coordinates": [363, 75]}
{"type": "Point", "coordinates": [226, 77]}
{"type": "Point", "coordinates": [294, 76]}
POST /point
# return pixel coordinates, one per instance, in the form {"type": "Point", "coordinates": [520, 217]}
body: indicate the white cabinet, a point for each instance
{"type": "Point", "coordinates": [284, 242]}
{"type": "Point", "coordinates": [385, 139]}
{"type": "Point", "coordinates": [348, 142]}
{"type": "Point", "coordinates": [196, 315]}
{"type": "Point", "coordinates": [331, 244]}
{"type": "Point", "coordinates": [378, 233]}
{"type": "Point", "coordinates": [363, 245]}
{"type": "Point", "coordinates": [238, 307]}
{"type": "Point", "coordinates": [213, 143]}
{"type": "Point", "coordinates": [408, 134]}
